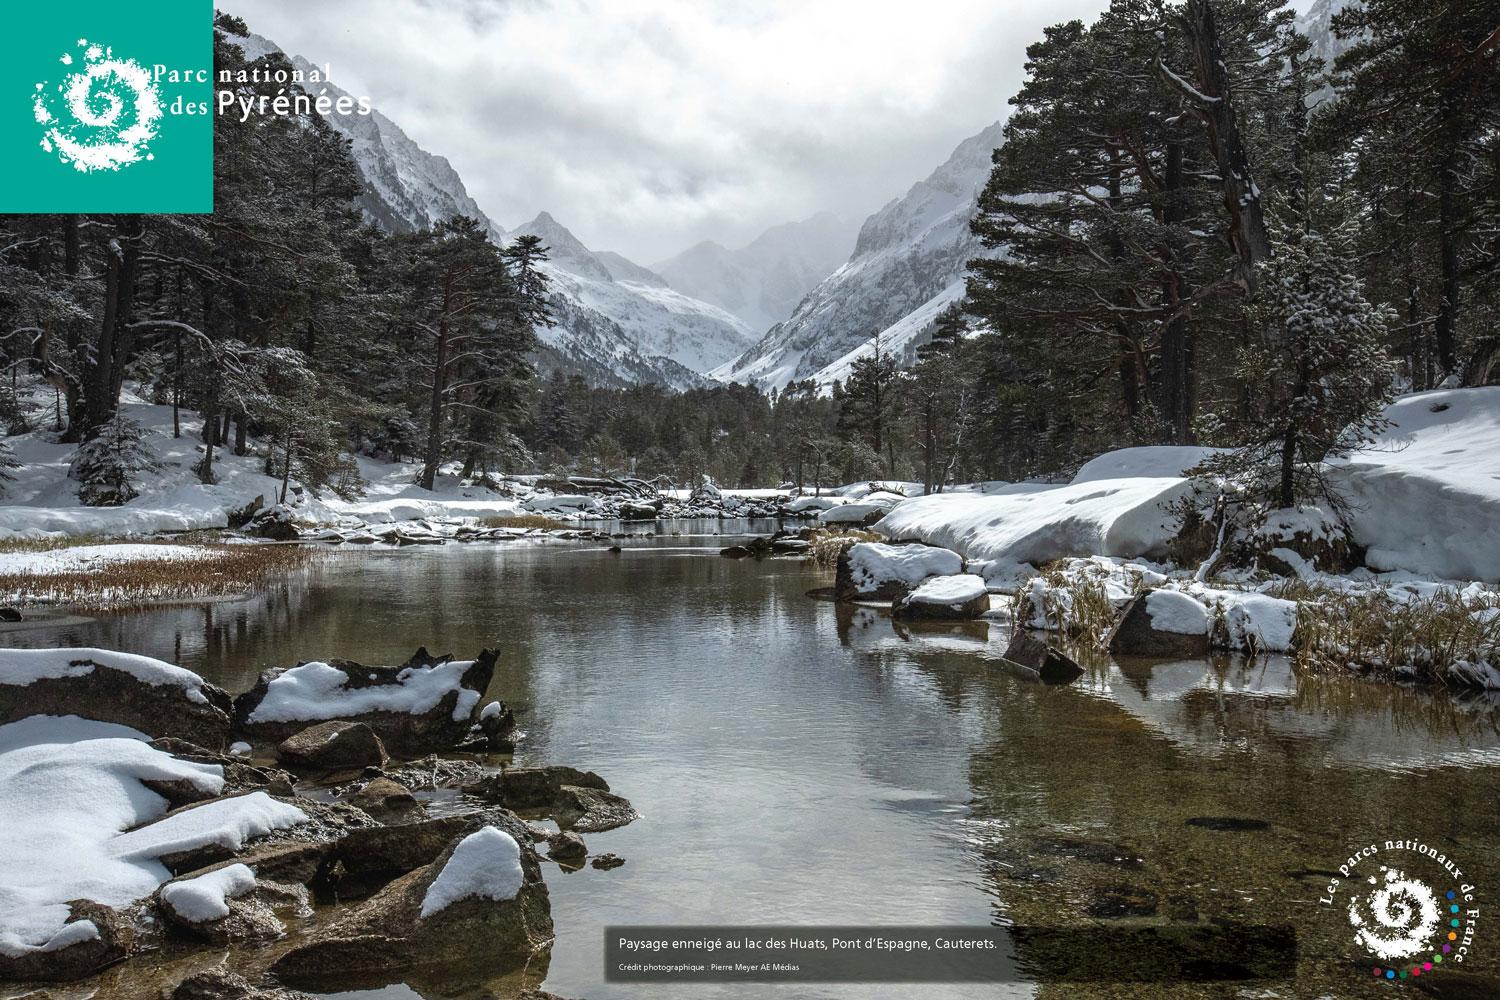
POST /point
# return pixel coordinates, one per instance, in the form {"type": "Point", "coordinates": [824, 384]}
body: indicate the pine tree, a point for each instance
{"type": "Point", "coordinates": [1319, 365]}
{"type": "Point", "coordinates": [869, 404]}
{"type": "Point", "coordinates": [107, 465]}
{"type": "Point", "coordinates": [8, 465]}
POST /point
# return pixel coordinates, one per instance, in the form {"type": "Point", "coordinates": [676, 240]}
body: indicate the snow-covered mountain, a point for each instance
{"type": "Point", "coordinates": [609, 293]}
{"type": "Point", "coordinates": [762, 282]}
{"type": "Point", "coordinates": [617, 322]}
{"type": "Point", "coordinates": [908, 263]}
{"type": "Point", "coordinates": [1317, 25]}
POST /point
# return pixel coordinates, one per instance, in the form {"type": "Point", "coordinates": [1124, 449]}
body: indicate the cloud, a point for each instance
{"type": "Point", "coordinates": [648, 125]}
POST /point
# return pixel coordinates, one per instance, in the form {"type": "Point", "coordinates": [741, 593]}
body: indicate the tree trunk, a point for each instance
{"type": "Point", "coordinates": [434, 455]}
{"type": "Point", "coordinates": [1446, 328]}
{"type": "Point", "coordinates": [1215, 103]}
{"type": "Point", "coordinates": [102, 383]}
{"type": "Point", "coordinates": [1175, 391]}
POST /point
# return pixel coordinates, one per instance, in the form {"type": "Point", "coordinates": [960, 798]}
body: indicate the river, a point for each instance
{"type": "Point", "coordinates": [801, 763]}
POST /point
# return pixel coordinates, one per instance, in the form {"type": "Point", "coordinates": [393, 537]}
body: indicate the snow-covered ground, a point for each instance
{"type": "Point", "coordinates": [70, 789]}
{"type": "Point", "coordinates": [43, 501]}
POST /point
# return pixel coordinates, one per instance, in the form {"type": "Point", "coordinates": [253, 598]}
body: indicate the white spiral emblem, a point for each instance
{"type": "Point", "coordinates": [1397, 918]}
{"type": "Point", "coordinates": [101, 117]}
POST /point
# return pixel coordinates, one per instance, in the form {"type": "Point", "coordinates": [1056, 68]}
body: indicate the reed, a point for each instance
{"type": "Point", "coordinates": [216, 571]}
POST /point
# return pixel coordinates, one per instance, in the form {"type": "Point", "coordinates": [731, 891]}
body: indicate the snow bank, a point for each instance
{"type": "Point", "coordinates": [68, 787]}
{"type": "Point", "coordinates": [485, 864]}
{"type": "Point", "coordinates": [872, 564]}
{"type": "Point", "coordinates": [1175, 612]}
{"type": "Point", "coordinates": [416, 509]}
{"type": "Point", "coordinates": [20, 667]}
{"type": "Point", "coordinates": [948, 590]}
{"type": "Point", "coordinates": [1426, 495]}
{"type": "Point", "coordinates": [1257, 620]}
{"type": "Point", "coordinates": [45, 522]}
{"type": "Point", "coordinates": [85, 558]}
{"type": "Point", "coordinates": [559, 501]}
{"type": "Point", "coordinates": [1151, 462]}
{"type": "Point", "coordinates": [855, 511]}
{"type": "Point", "coordinates": [1114, 517]}
{"type": "Point", "coordinates": [317, 691]}
{"type": "Point", "coordinates": [802, 505]}
{"type": "Point", "coordinates": [206, 898]}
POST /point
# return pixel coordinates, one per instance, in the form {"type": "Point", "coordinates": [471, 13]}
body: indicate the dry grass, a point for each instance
{"type": "Point", "coordinates": [829, 543]}
{"type": "Point", "coordinates": [522, 521]}
{"type": "Point", "coordinates": [220, 571]}
{"type": "Point", "coordinates": [8, 545]}
{"type": "Point", "coordinates": [1403, 636]}
{"type": "Point", "coordinates": [1075, 605]}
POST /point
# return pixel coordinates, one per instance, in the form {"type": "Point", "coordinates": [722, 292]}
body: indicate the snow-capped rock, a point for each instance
{"type": "Point", "coordinates": [910, 258]}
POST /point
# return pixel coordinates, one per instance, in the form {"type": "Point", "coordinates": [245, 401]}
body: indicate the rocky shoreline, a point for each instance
{"type": "Point", "coordinates": [291, 822]}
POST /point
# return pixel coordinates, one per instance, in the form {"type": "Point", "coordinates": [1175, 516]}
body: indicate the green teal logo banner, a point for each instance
{"type": "Point", "coordinates": [106, 106]}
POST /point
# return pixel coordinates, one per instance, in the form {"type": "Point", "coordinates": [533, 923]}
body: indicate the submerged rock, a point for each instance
{"type": "Point", "coordinates": [1051, 665]}
{"type": "Point", "coordinates": [482, 903]}
{"type": "Point", "coordinates": [427, 704]}
{"type": "Point", "coordinates": [147, 695]}
{"type": "Point", "coordinates": [333, 746]}
{"type": "Point", "coordinates": [604, 862]}
{"type": "Point", "coordinates": [1161, 623]}
{"type": "Point", "coordinates": [221, 984]}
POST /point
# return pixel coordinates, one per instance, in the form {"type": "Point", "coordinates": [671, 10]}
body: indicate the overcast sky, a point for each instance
{"type": "Point", "coordinates": [645, 126]}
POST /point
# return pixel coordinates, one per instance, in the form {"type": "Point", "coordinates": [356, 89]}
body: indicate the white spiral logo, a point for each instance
{"type": "Point", "coordinates": [101, 117]}
{"type": "Point", "coordinates": [1397, 918]}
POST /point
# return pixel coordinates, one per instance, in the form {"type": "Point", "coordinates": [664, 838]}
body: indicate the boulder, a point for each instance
{"type": "Point", "coordinates": [1051, 665]}
{"type": "Point", "coordinates": [481, 903]}
{"type": "Point", "coordinates": [532, 787]}
{"type": "Point", "coordinates": [881, 572]}
{"type": "Point", "coordinates": [578, 800]}
{"type": "Point", "coordinates": [568, 848]}
{"type": "Point", "coordinates": [156, 698]}
{"type": "Point", "coordinates": [734, 552]}
{"type": "Point", "coordinates": [605, 862]}
{"type": "Point", "coordinates": [386, 800]}
{"type": "Point", "coordinates": [223, 904]}
{"type": "Point", "coordinates": [498, 723]}
{"type": "Point", "coordinates": [364, 860]}
{"type": "Point", "coordinates": [945, 598]}
{"type": "Point", "coordinates": [592, 810]}
{"type": "Point", "coordinates": [11, 615]}
{"type": "Point", "coordinates": [94, 936]}
{"type": "Point", "coordinates": [332, 746]}
{"type": "Point", "coordinates": [427, 704]}
{"type": "Point", "coordinates": [1165, 624]}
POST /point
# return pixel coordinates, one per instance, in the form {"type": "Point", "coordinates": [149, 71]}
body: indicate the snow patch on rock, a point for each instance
{"type": "Point", "coordinates": [317, 691]}
{"type": "Point", "coordinates": [21, 667]}
{"type": "Point", "coordinates": [485, 864]}
{"type": "Point", "coordinates": [206, 898]}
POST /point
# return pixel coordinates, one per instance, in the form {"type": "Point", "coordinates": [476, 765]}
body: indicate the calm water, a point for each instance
{"type": "Point", "coordinates": [801, 763]}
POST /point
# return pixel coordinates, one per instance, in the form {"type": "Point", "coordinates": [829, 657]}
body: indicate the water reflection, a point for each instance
{"type": "Point", "coordinates": [801, 762]}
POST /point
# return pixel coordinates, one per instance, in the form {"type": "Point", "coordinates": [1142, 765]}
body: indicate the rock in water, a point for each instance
{"type": "Point", "coordinates": [481, 903]}
{"type": "Point", "coordinates": [386, 800]}
{"type": "Point", "coordinates": [1051, 666]}
{"type": "Point", "coordinates": [1163, 624]}
{"type": "Point", "coordinates": [876, 571]}
{"type": "Point", "coordinates": [147, 695]}
{"type": "Point", "coordinates": [221, 904]}
{"type": "Point", "coordinates": [333, 746]}
{"type": "Point", "coordinates": [427, 704]}
{"type": "Point", "coordinates": [568, 847]}
{"type": "Point", "coordinates": [94, 936]}
{"type": "Point", "coordinates": [945, 598]}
